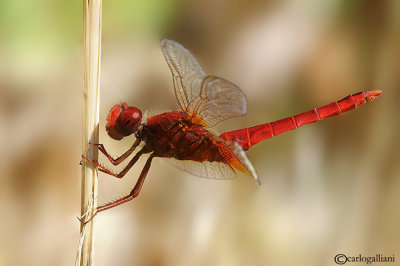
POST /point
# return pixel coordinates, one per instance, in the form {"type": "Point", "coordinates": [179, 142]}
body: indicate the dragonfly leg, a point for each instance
{"type": "Point", "coordinates": [127, 167]}
{"type": "Point", "coordinates": [133, 194]}
{"type": "Point", "coordinates": [121, 158]}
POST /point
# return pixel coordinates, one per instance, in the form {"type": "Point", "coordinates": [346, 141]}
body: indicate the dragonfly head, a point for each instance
{"type": "Point", "coordinates": [123, 120]}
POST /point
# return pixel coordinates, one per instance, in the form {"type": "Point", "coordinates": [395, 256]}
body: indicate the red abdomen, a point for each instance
{"type": "Point", "coordinates": [171, 135]}
{"type": "Point", "coordinates": [248, 137]}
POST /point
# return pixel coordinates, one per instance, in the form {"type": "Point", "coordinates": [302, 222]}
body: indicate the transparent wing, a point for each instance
{"type": "Point", "coordinates": [207, 100]}
{"type": "Point", "coordinates": [234, 158]}
{"type": "Point", "coordinates": [187, 73]}
{"type": "Point", "coordinates": [214, 170]}
{"type": "Point", "coordinates": [219, 99]}
{"type": "Point", "coordinates": [243, 163]}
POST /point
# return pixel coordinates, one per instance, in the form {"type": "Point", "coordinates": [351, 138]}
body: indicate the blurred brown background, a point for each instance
{"type": "Point", "coordinates": [328, 188]}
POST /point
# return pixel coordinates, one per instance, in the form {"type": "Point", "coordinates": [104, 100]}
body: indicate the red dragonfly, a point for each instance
{"type": "Point", "coordinates": [183, 135]}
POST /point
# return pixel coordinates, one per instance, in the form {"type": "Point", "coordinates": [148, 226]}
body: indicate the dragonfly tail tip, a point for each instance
{"type": "Point", "coordinates": [373, 94]}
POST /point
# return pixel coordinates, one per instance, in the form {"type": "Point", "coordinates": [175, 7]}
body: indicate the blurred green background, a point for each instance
{"type": "Point", "coordinates": [328, 188]}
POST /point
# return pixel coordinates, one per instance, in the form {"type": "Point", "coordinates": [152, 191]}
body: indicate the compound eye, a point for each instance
{"type": "Point", "coordinates": [122, 121]}
{"type": "Point", "coordinates": [129, 120]}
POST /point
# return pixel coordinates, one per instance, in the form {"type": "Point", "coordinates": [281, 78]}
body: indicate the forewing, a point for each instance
{"type": "Point", "coordinates": [219, 99]}
{"type": "Point", "coordinates": [187, 73]}
{"type": "Point", "coordinates": [207, 100]}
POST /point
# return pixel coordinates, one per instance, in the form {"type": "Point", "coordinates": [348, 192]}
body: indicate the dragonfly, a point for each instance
{"type": "Point", "coordinates": [185, 135]}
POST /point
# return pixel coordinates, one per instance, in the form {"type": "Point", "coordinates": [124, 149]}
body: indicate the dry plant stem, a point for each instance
{"type": "Point", "coordinates": [90, 129]}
